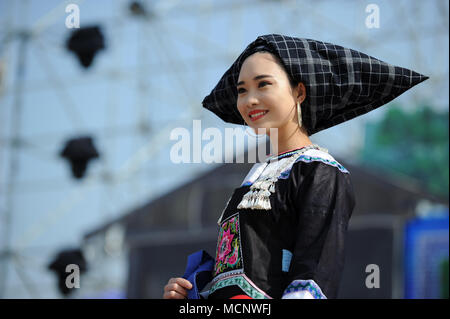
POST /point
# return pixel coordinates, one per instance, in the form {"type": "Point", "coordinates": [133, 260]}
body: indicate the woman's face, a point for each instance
{"type": "Point", "coordinates": [265, 96]}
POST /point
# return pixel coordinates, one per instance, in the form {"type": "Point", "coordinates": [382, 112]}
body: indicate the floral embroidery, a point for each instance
{"type": "Point", "coordinates": [228, 254]}
{"type": "Point", "coordinates": [225, 246]}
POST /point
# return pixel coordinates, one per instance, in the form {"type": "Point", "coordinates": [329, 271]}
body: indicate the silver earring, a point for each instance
{"type": "Point", "coordinates": [299, 114]}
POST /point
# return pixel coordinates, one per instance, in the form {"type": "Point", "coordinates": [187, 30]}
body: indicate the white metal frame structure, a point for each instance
{"type": "Point", "coordinates": [159, 35]}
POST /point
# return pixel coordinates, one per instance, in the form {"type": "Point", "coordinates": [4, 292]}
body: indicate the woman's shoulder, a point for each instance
{"type": "Point", "coordinates": [317, 156]}
{"type": "Point", "coordinates": [314, 161]}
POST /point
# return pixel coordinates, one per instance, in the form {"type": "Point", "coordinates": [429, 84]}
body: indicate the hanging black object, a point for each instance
{"type": "Point", "coordinates": [137, 8]}
{"type": "Point", "coordinates": [79, 151]}
{"type": "Point", "coordinates": [60, 263]}
{"type": "Point", "coordinates": [85, 42]}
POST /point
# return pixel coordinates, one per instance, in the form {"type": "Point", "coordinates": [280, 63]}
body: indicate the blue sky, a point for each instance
{"type": "Point", "coordinates": [154, 73]}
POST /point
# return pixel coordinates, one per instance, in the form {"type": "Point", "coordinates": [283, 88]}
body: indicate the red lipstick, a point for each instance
{"type": "Point", "coordinates": [256, 114]}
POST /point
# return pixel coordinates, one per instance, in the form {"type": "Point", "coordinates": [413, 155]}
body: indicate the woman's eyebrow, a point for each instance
{"type": "Point", "coordinates": [256, 78]}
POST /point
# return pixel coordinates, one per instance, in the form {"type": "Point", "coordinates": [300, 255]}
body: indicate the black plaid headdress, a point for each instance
{"type": "Point", "coordinates": [341, 83]}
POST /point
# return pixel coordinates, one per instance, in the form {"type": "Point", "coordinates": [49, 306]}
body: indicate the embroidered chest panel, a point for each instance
{"type": "Point", "coordinates": [229, 250]}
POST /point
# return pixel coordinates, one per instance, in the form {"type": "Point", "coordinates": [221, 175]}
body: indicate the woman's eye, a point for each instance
{"type": "Point", "coordinates": [241, 90]}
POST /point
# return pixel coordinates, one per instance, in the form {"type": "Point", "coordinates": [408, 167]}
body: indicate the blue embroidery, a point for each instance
{"type": "Point", "coordinates": [309, 159]}
{"type": "Point", "coordinates": [308, 285]}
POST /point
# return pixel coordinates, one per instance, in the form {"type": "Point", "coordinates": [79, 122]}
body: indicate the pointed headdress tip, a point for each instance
{"type": "Point", "coordinates": [420, 78]}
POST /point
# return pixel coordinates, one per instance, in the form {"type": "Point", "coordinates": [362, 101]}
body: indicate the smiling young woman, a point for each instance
{"type": "Point", "coordinates": [282, 232]}
{"type": "Point", "coordinates": [268, 98]}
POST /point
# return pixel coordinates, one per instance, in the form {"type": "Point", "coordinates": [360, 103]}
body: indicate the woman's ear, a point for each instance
{"type": "Point", "coordinates": [301, 92]}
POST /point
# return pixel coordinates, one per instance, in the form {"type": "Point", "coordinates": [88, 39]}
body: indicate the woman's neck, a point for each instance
{"type": "Point", "coordinates": [283, 141]}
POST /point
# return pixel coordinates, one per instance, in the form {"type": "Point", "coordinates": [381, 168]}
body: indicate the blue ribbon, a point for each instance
{"type": "Point", "coordinates": [199, 268]}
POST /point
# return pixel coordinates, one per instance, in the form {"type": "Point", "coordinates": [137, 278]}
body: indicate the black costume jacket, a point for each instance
{"type": "Point", "coordinates": [295, 249]}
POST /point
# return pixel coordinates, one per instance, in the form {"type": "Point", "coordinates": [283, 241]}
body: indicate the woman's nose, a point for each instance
{"type": "Point", "coordinates": [251, 101]}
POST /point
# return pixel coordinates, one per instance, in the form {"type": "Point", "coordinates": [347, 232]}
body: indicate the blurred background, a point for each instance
{"type": "Point", "coordinates": [86, 115]}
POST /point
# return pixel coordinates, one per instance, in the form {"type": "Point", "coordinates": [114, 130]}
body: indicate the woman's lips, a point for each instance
{"type": "Point", "coordinates": [256, 115]}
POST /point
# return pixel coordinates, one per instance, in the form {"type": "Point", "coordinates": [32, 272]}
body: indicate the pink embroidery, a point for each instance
{"type": "Point", "coordinates": [231, 261]}
{"type": "Point", "coordinates": [225, 245]}
{"type": "Point", "coordinates": [228, 253]}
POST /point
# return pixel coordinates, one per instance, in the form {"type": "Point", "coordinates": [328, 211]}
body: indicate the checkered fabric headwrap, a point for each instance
{"type": "Point", "coordinates": [341, 83]}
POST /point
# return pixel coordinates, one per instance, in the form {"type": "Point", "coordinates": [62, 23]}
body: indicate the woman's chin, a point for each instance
{"type": "Point", "coordinates": [266, 127]}
{"type": "Point", "coordinates": [260, 130]}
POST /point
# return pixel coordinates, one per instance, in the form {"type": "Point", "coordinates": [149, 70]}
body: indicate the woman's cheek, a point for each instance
{"type": "Point", "coordinates": [240, 110]}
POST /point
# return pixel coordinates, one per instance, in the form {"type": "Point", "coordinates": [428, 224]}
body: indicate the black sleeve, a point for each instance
{"type": "Point", "coordinates": [322, 202]}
